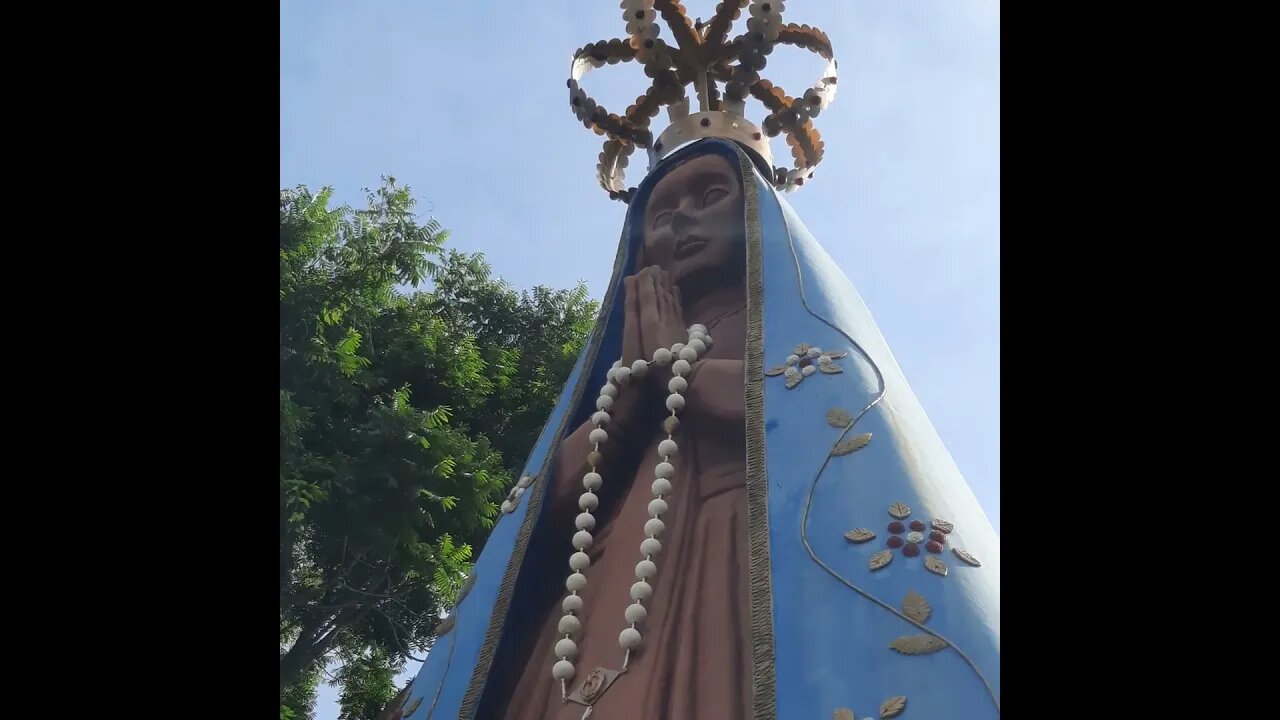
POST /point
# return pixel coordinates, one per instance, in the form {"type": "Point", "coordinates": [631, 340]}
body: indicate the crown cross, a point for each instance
{"type": "Point", "coordinates": [704, 57]}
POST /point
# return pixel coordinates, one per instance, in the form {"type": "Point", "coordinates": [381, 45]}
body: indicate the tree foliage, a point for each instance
{"type": "Point", "coordinates": [405, 415]}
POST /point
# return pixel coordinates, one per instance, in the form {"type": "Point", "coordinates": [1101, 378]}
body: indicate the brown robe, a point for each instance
{"type": "Point", "coordinates": [694, 661]}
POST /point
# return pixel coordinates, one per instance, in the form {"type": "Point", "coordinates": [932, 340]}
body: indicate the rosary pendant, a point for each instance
{"type": "Point", "coordinates": [593, 686]}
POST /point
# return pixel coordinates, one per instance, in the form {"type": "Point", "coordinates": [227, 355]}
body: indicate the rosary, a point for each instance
{"type": "Point", "coordinates": [683, 354]}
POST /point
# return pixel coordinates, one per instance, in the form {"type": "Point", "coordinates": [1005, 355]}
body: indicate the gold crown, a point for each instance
{"type": "Point", "coordinates": [703, 57]}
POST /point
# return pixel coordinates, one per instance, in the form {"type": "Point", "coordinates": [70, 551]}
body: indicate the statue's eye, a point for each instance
{"type": "Point", "coordinates": [714, 195]}
{"type": "Point", "coordinates": [662, 220]}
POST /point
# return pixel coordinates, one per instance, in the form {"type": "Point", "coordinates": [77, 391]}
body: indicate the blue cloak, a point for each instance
{"type": "Point", "coordinates": [874, 573]}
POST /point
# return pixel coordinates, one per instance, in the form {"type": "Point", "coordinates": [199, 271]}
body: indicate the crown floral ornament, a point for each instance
{"type": "Point", "coordinates": [703, 56]}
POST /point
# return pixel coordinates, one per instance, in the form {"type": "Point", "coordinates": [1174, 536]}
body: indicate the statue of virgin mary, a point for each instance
{"type": "Point", "coordinates": [738, 509]}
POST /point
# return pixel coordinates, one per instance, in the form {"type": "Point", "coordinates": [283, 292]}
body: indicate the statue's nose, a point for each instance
{"type": "Point", "coordinates": [681, 224]}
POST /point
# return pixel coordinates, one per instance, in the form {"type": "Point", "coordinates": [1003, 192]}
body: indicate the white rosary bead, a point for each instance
{"type": "Point", "coordinates": [592, 481]}
{"type": "Point", "coordinates": [600, 417]}
{"type": "Point", "coordinates": [588, 501]}
{"type": "Point", "coordinates": [653, 527]}
{"type": "Point", "coordinates": [688, 354]}
{"type": "Point", "coordinates": [697, 335]}
{"type": "Point", "coordinates": [664, 470]}
{"type": "Point", "coordinates": [569, 624]}
{"type": "Point", "coordinates": [612, 375]}
{"type": "Point", "coordinates": [579, 561]}
{"type": "Point", "coordinates": [585, 521]}
{"type": "Point", "coordinates": [598, 436]}
{"type": "Point", "coordinates": [572, 603]}
{"type": "Point", "coordinates": [675, 402]}
{"type": "Point", "coordinates": [636, 613]}
{"type": "Point", "coordinates": [657, 507]}
{"type": "Point", "coordinates": [697, 328]}
{"type": "Point", "coordinates": [675, 349]}
{"type": "Point", "coordinates": [639, 368]}
{"type": "Point", "coordinates": [640, 591]}
{"type": "Point", "coordinates": [680, 367]}
{"type": "Point", "coordinates": [577, 582]}
{"type": "Point", "coordinates": [604, 402]}
{"type": "Point", "coordinates": [622, 375]}
{"type": "Point", "coordinates": [609, 389]}
{"type": "Point", "coordinates": [661, 486]}
{"type": "Point", "coordinates": [698, 347]}
{"type": "Point", "coordinates": [645, 569]}
{"type": "Point", "coordinates": [667, 447]}
{"type": "Point", "coordinates": [582, 540]}
{"type": "Point", "coordinates": [563, 670]}
{"type": "Point", "coordinates": [629, 639]}
{"type": "Point", "coordinates": [649, 547]}
{"type": "Point", "coordinates": [662, 356]}
{"type": "Point", "coordinates": [566, 649]}
{"type": "Point", "coordinates": [677, 384]}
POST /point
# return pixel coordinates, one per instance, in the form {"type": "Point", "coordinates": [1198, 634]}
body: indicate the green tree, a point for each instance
{"type": "Point", "coordinates": [405, 415]}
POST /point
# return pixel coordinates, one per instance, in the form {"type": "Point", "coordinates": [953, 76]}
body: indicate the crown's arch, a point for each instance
{"type": "Point", "coordinates": [705, 58]}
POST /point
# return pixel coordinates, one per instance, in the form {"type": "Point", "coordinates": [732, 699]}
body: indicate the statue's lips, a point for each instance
{"type": "Point", "coordinates": [689, 246]}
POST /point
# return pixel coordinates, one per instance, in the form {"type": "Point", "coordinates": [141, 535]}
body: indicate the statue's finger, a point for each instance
{"type": "Point", "coordinates": [648, 291]}
{"type": "Point", "coordinates": [629, 294]}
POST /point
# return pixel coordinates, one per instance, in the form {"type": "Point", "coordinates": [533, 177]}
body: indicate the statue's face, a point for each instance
{"type": "Point", "coordinates": [693, 222]}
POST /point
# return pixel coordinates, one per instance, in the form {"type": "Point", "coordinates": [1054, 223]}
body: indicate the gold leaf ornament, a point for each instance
{"type": "Point", "coordinates": [936, 566]}
{"type": "Point", "coordinates": [880, 559]}
{"type": "Point", "coordinates": [842, 714]}
{"type": "Point", "coordinates": [893, 707]}
{"type": "Point", "coordinates": [839, 418]}
{"type": "Point", "coordinates": [916, 607]}
{"type": "Point", "coordinates": [853, 444]}
{"type": "Point", "coordinates": [918, 644]}
{"type": "Point", "coordinates": [966, 556]}
{"type": "Point", "coordinates": [775, 371]}
{"type": "Point", "coordinates": [860, 535]}
{"type": "Point", "coordinates": [899, 510]}
{"type": "Point", "coordinates": [831, 368]}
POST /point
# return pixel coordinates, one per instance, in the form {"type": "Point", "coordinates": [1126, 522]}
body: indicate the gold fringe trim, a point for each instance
{"type": "Point", "coordinates": [764, 693]}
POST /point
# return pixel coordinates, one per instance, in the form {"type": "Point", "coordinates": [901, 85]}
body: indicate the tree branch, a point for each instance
{"type": "Point", "coordinates": [313, 644]}
{"type": "Point", "coordinates": [392, 623]}
{"type": "Point", "coordinates": [345, 586]}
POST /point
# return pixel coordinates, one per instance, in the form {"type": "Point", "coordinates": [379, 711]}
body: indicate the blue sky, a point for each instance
{"type": "Point", "coordinates": [465, 102]}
